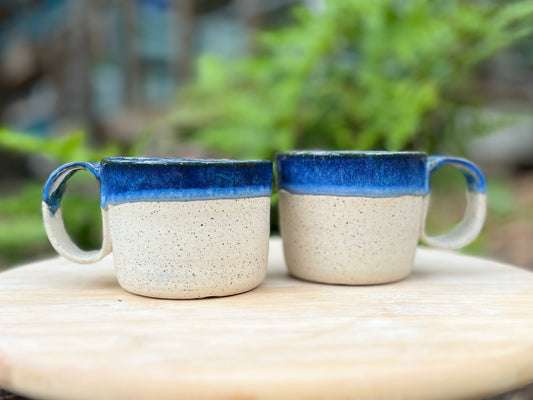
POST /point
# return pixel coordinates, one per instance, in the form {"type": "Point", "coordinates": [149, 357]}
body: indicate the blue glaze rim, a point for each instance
{"type": "Point", "coordinates": [353, 173]}
{"type": "Point", "coordinates": [125, 179]}
{"type": "Point", "coordinates": [140, 179]}
{"type": "Point", "coordinates": [349, 153]}
{"type": "Point", "coordinates": [180, 161]}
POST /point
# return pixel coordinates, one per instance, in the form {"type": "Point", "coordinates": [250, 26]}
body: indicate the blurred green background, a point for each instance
{"type": "Point", "coordinates": [82, 80]}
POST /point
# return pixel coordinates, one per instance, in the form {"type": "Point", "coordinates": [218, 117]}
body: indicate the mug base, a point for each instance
{"type": "Point", "coordinates": [355, 282]}
{"type": "Point", "coordinates": [207, 293]}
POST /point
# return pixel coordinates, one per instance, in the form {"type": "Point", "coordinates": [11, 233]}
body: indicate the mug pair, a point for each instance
{"type": "Point", "coordinates": [186, 229]}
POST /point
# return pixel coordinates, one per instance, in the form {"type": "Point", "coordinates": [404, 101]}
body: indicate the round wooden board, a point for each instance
{"type": "Point", "coordinates": [457, 327]}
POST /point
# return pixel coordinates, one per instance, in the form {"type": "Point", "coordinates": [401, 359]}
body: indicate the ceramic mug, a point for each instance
{"type": "Point", "coordinates": [355, 218]}
{"type": "Point", "coordinates": [178, 228]}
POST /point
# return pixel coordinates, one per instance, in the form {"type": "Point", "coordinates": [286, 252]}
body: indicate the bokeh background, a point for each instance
{"type": "Point", "coordinates": [81, 80]}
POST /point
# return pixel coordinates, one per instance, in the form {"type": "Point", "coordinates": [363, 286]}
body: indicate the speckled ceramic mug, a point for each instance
{"type": "Point", "coordinates": [355, 218]}
{"type": "Point", "coordinates": [178, 228]}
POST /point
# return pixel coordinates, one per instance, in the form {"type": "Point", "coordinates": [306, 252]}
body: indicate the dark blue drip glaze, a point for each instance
{"type": "Point", "coordinates": [353, 173]}
{"type": "Point", "coordinates": [475, 181]}
{"type": "Point", "coordinates": [150, 179]}
{"type": "Point", "coordinates": [158, 179]}
{"type": "Point", "coordinates": [56, 184]}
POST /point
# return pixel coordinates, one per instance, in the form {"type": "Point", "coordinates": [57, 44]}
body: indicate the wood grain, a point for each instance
{"type": "Point", "coordinates": [458, 327]}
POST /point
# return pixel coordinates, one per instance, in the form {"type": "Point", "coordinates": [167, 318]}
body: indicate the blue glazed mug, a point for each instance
{"type": "Point", "coordinates": [177, 228]}
{"type": "Point", "coordinates": [351, 217]}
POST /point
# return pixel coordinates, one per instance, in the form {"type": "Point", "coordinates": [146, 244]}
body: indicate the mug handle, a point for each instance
{"type": "Point", "coordinates": [476, 205]}
{"type": "Point", "coordinates": [53, 216]}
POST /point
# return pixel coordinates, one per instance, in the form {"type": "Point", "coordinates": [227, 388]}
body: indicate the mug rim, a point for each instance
{"type": "Point", "coordinates": [350, 153]}
{"type": "Point", "coordinates": [180, 161]}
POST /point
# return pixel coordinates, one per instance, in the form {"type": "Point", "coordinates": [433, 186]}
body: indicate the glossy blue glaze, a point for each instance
{"type": "Point", "coordinates": [353, 173]}
{"type": "Point", "coordinates": [56, 184]}
{"type": "Point", "coordinates": [148, 179]}
{"type": "Point", "coordinates": [158, 179]}
{"type": "Point", "coordinates": [475, 181]}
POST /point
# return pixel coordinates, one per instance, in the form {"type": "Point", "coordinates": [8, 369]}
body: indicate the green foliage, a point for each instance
{"type": "Point", "coordinates": [21, 229]}
{"type": "Point", "coordinates": [63, 149]}
{"type": "Point", "coordinates": [500, 197]}
{"type": "Point", "coordinates": [387, 74]}
{"type": "Point", "coordinates": [19, 221]}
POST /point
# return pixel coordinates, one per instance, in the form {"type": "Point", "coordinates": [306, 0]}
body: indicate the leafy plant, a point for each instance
{"type": "Point", "coordinates": [387, 74]}
{"type": "Point", "coordinates": [62, 149]}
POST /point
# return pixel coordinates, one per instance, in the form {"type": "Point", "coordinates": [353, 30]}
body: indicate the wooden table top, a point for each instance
{"type": "Point", "coordinates": [457, 327]}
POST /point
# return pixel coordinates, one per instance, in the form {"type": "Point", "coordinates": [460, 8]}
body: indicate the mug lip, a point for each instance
{"type": "Point", "coordinates": [181, 161]}
{"type": "Point", "coordinates": [349, 153]}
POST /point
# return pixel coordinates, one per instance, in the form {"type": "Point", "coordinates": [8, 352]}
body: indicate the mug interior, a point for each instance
{"type": "Point", "coordinates": [180, 161]}
{"type": "Point", "coordinates": [349, 153]}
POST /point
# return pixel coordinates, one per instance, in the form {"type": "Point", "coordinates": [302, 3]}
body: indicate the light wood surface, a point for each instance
{"type": "Point", "coordinates": [458, 327]}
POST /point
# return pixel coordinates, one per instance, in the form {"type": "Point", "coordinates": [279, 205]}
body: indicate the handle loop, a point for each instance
{"type": "Point", "coordinates": [476, 206]}
{"type": "Point", "coordinates": [53, 216]}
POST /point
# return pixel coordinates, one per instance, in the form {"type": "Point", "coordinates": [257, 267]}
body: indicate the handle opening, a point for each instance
{"type": "Point", "coordinates": [476, 205]}
{"type": "Point", "coordinates": [53, 215]}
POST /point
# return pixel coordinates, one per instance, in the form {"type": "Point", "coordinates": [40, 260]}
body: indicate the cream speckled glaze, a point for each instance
{"type": "Point", "coordinates": [355, 218]}
{"type": "Point", "coordinates": [350, 240]}
{"type": "Point", "coordinates": [178, 229]}
{"type": "Point", "coordinates": [191, 249]}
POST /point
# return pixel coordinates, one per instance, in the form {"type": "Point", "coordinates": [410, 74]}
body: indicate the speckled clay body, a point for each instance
{"type": "Point", "coordinates": [355, 218]}
{"type": "Point", "coordinates": [191, 249]}
{"type": "Point", "coordinates": [350, 240]}
{"type": "Point", "coordinates": [178, 229]}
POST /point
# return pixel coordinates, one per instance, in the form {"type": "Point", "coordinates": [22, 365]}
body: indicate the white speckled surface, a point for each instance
{"type": "Point", "coordinates": [190, 249]}
{"type": "Point", "coordinates": [350, 240]}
